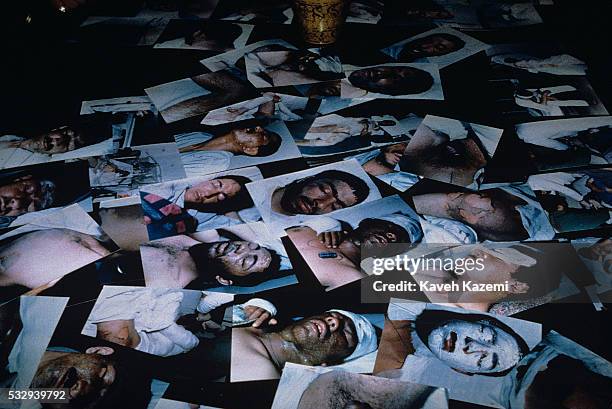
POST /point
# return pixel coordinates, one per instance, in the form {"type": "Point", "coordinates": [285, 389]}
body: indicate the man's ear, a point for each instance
{"type": "Point", "coordinates": [223, 281]}
{"type": "Point", "coordinates": [517, 287]}
{"type": "Point", "coordinates": [100, 350]}
{"type": "Point", "coordinates": [250, 151]}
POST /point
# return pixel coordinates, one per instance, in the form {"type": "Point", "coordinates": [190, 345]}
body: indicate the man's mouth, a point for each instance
{"type": "Point", "coordinates": [319, 328]}
{"type": "Point", "coordinates": [450, 342]}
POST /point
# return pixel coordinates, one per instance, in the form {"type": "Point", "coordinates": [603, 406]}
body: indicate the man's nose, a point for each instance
{"type": "Point", "coordinates": [333, 323]}
{"type": "Point", "coordinates": [324, 202]}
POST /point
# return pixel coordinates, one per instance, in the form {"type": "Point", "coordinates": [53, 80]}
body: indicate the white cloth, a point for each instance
{"type": "Point", "coordinates": [240, 317]}
{"type": "Point", "coordinates": [154, 311]}
{"type": "Point", "coordinates": [167, 95]}
{"type": "Point", "coordinates": [438, 230]}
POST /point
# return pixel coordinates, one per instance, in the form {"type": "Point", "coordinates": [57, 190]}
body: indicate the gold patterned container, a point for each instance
{"type": "Point", "coordinates": [319, 21]}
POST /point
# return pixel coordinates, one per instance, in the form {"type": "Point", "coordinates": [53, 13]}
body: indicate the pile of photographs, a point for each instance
{"type": "Point", "coordinates": [202, 244]}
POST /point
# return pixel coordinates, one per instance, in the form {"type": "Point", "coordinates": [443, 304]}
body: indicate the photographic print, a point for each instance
{"type": "Point", "coordinates": [442, 46]}
{"type": "Point", "coordinates": [295, 198]}
{"type": "Point", "coordinates": [200, 203]}
{"type": "Point", "coordinates": [332, 247]}
{"type": "Point", "coordinates": [245, 258]}
{"type": "Point", "coordinates": [450, 151]}
{"type": "Point", "coordinates": [575, 201]}
{"type": "Point", "coordinates": [304, 387]}
{"type": "Point", "coordinates": [279, 68]}
{"type": "Point", "coordinates": [198, 95]}
{"type": "Point", "coordinates": [204, 35]}
{"type": "Point", "coordinates": [236, 145]}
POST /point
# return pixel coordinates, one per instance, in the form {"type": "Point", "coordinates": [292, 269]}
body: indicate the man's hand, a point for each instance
{"type": "Point", "coordinates": [332, 239]}
{"type": "Point", "coordinates": [260, 315]}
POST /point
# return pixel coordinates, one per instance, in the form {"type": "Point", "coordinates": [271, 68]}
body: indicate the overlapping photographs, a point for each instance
{"type": "Point", "coordinates": [450, 151]}
{"type": "Point", "coordinates": [332, 246]}
{"type": "Point", "coordinates": [296, 198]}
{"type": "Point", "coordinates": [392, 81]}
{"type": "Point", "coordinates": [442, 46]}
{"type": "Point", "coordinates": [204, 35]}
{"type": "Point", "coordinates": [236, 259]}
{"type": "Point", "coordinates": [567, 143]}
{"type": "Point", "coordinates": [233, 146]}
{"type": "Point", "coordinates": [303, 387]}
{"type": "Point", "coordinates": [198, 204]}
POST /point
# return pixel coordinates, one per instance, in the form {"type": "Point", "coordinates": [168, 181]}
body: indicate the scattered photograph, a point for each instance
{"type": "Point", "coordinates": [334, 338]}
{"type": "Point", "coordinates": [30, 252]}
{"type": "Point", "coordinates": [231, 59]}
{"type": "Point", "coordinates": [296, 198]}
{"type": "Point", "coordinates": [24, 339]}
{"type": "Point", "coordinates": [331, 246]}
{"type": "Point", "coordinates": [543, 97]}
{"type": "Point", "coordinates": [538, 58]}
{"type": "Point", "coordinates": [268, 11]}
{"type": "Point", "coordinates": [451, 151]}
{"type": "Point", "coordinates": [334, 134]}
{"type": "Point", "coordinates": [112, 378]}
{"type": "Point", "coordinates": [157, 321]}
{"type": "Point", "coordinates": [468, 353]}
{"type": "Point", "coordinates": [198, 204]}
{"type": "Point", "coordinates": [393, 81]}
{"type": "Point", "coordinates": [568, 143]}
{"type": "Point", "coordinates": [88, 135]}
{"type": "Point", "coordinates": [575, 201]}
{"type": "Point", "coordinates": [204, 35]}
{"type": "Point", "coordinates": [28, 192]}
{"type": "Point", "coordinates": [123, 220]}
{"type": "Point", "coordinates": [306, 387]}
{"type": "Point", "coordinates": [245, 258]}
{"type": "Point", "coordinates": [506, 213]}
{"type": "Point", "coordinates": [123, 31]}
{"type": "Point", "coordinates": [198, 95]}
{"type": "Point", "coordinates": [122, 173]}
{"type": "Point", "coordinates": [365, 11]}
{"type": "Point", "coordinates": [235, 146]}
{"type": "Point", "coordinates": [442, 46]}
{"type": "Point", "coordinates": [121, 104]}
{"type": "Point", "coordinates": [293, 67]}
{"type": "Point", "coordinates": [596, 255]}
{"type": "Point", "coordinates": [270, 106]}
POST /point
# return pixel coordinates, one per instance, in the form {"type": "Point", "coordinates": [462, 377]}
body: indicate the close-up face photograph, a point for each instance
{"type": "Point", "coordinates": [306, 204]}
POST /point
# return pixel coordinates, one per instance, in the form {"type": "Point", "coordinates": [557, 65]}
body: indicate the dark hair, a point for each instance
{"type": "Point", "coordinates": [512, 229]}
{"type": "Point", "coordinates": [223, 33]}
{"type": "Point", "coordinates": [92, 128]}
{"type": "Point", "coordinates": [403, 235]}
{"type": "Point", "coordinates": [360, 188]}
{"type": "Point", "coordinates": [273, 145]}
{"type": "Point", "coordinates": [429, 320]}
{"type": "Point", "coordinates": [208, 269]}
{"type": "Point", "coordinates": [420, 82]}
{"type": "Point", "coordinates": [305, 62]}
{"type": "Point", "coordinates": [242, 199]}
{"type": "Point", "coordinates": [561, 378]}
{"type": "Point", "coordinates": [458, 44]}
{"type": "Point", "coordinates": [544, 277]}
